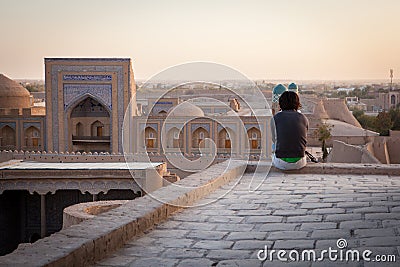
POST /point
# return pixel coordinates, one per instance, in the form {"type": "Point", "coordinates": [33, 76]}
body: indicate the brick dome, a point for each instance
{"type": "Point", "coordinates": [186, 109]}
{"type": "Point", "coordinates": [12, 94]}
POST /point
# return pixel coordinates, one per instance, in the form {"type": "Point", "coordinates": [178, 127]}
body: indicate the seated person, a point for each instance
{"type": "Point", "coordinates": [289, 134]}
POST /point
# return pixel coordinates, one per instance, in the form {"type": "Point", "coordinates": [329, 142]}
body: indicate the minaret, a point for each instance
{"type": "Point", "coordinates": [391, 79]}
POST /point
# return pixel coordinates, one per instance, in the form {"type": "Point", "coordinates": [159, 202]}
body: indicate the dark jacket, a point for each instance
{"type": "Point", "coordinates": [290, 137]}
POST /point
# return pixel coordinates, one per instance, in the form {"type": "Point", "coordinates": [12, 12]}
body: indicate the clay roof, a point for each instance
{"type": "Point", "coordinates": [9, 87]}
{"type": "Point", "coordinates": [186, 109]}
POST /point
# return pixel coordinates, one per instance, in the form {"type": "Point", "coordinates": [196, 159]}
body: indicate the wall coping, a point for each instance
{"type": "Point", "coordinates": [333, 168]}
{"type": "Point", "coordinates": [87, 210]}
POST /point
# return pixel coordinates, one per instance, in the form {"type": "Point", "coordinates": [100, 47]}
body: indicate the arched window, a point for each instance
{"type": "Point", "coordinates": [32, 137]}
{"type": "Point", "coordinates": [79, 129]}
{"type": "Point", "coordinates": [393, 100]}
{"type": "Point", "coordinates": [224, 139]}
{"type": "Point", "coordinates": [198, 137]}
{"type": "Point", "coordinates": [150, 136]}
{"type": "Point", "coordinates": [173, 138]}
{"type": "Point", "coordinates": [97, 128]}
{"type": "Point", "coordinates": [254, 136]}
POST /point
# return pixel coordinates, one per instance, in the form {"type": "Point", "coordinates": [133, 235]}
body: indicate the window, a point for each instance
{"type": "Point", "coordinates": [201, 135]}
{"type": "Point", "coordinates": [254, 135]}
{"type": "Point", "coordinates": [176, 135]}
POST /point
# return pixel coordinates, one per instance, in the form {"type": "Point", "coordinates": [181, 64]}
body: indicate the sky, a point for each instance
{"type": "Point", "coordinates": [266, 39]}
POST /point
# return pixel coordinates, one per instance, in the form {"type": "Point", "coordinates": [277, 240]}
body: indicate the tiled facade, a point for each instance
{"type": "Point", "coordinates": [69, 81]}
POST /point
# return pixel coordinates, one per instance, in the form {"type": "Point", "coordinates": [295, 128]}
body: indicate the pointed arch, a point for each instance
{"type": "Point", "coordinates": [97, 128]}
{"type": "Point", "coordinates": [224, 138]}
{"type": "Point", "coordinates": [8, 138]}
{"type": "Point", "coordinates": [79, 131]}
{"type": "Point", "coordinates": [254, 136]}
{"type": "Point", "coordinates": [162, 113]}
{"type": "Point", "coordinates": [150, 137]}
{"type": "Point", "coordinates": [174, 138]}
{"type": "Point", "coordinates": [32, 137]}
{"type": "Point", "coordinates": [80, 98]}
{"type": "Point", "coordinates": [89, 124]}
{"type": "Point", "coordinates": [198, 137]}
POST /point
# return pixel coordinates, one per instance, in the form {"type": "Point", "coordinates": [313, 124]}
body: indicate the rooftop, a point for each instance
{"type": "Point", "coordinates": [228, 223]}
{"type": "Point", "coordinates": [87, 59]}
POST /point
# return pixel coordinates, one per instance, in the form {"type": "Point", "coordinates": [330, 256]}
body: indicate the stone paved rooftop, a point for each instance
{"type": "Point", "coordinates": [288, 211]}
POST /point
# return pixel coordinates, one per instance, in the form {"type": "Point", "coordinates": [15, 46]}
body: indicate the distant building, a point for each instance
{"type": "Point", "coordinates": [347, 90]}
{"type": "Point", "coordinates": [389, 100]}
{"type": "Point", "coordinates": [22, 125]}
{"type": "Point", "coordinates": [354, 103]}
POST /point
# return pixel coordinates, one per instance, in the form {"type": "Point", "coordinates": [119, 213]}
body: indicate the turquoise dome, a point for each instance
{"type": "Point", "coordinates": [279, 89]}
{"type": "Point", "coordinates": [293, 87]}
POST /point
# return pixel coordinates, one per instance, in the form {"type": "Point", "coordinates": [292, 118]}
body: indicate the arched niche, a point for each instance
{"type": "Point", "coordinates": [8, 139]}
{"type": "Point", "coordinates": [89, 126]}
{"type": "Point", "coordinates": [198, 137]}
{"type": "Point", "coordinates": [32, 138]}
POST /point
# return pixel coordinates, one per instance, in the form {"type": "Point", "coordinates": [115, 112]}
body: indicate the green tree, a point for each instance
{"type": "Point", "coordinates": [383, 123]}
{"type": "Point", "coordinates": [395, 117]}
{"type": "Point", "coordinates": [357, 113]}
{"type": "Point", "coordinates": [367, 122]}
{"type": "Point", "coordinates": [323, 133]}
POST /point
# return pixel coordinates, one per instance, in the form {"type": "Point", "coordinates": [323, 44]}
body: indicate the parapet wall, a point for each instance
{"type": "Point", "coordinates": [342, 152]}
{"type": "Point", "coordinates": [49, 156]}
{"type": "Point", "coordinates": [386, 149]}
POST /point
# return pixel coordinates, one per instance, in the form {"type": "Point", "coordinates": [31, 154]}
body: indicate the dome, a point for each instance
{"type": "Point", "coordinates": [279, 89]}
{"type": "Point", "coordinates": [186, 109]}
{"type": "Point", "coordinates": [293, 87]}
{"type": "Point", "coordinates": [12, 94]}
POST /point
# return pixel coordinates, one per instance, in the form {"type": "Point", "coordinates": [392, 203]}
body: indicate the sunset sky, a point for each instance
{"type": "Point", "coordinates": [268, 39]}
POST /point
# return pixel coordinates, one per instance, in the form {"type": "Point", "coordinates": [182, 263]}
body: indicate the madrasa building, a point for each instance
{"type": "Point", "coordinates": [86, 100]}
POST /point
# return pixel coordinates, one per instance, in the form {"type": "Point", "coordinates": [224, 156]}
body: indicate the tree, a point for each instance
{"type": "Point", "coordinates": [357, 113]}
{"type": "Point", "coordinates": [323, 133]}
{"type": "Point", "coordinates": [395, 117]}
{"type": "Point", "coordinates": [383, 123]}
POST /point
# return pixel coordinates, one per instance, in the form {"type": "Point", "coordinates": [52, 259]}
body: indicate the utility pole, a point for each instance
{"type": "Point", "coordinates": [391, 79]}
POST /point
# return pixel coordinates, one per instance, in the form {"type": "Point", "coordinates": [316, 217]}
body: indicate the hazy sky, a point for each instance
{"type": "Point", "coordinates": [282, 39]}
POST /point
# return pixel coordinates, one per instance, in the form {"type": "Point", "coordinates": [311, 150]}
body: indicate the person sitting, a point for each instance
{"type": "Point", "coordinates": [289, 134]}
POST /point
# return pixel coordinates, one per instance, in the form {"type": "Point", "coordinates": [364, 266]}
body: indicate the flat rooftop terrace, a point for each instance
{"type": "Point", "coordinates": [229, 224]}
{"type": "Point", "coordinates": [288, 211]}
